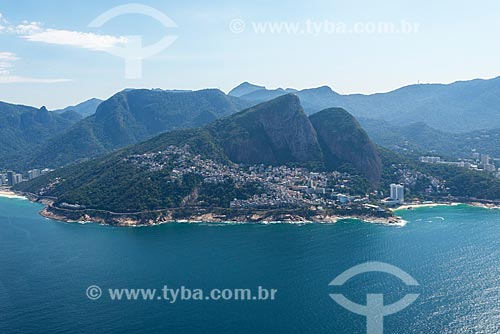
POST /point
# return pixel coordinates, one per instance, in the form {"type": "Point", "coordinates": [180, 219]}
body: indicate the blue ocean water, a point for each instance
{"type": "Point", "coordinates": [46, 267]}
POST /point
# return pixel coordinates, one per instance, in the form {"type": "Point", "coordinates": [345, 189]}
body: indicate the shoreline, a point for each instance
{"type": "Point", "coordinates": [262, 217]}
{"type": "Point", "coordinates": [411, 206]}
{"type": "Point", "coordinates": [217, 219]}
{"type": "Point", "coordinates": [475, 204]}
{"type": "Point", "coordinates": [10, 194]}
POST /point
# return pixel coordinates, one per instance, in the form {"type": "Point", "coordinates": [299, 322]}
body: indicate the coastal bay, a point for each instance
{"type": "Point", "coordinates": [434, 244]}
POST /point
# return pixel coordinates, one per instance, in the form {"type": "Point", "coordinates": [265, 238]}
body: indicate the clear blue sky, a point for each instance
{"type": "Point", "coordinates": [49, 56]}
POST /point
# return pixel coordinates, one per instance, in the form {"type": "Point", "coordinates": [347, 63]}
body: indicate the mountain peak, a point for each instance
{"type": "Point", "coordinates": [245, 88]}
{"type": "Point", "coordinates": [135, 115]}
{"type": "Point", "coordinates": [282, 105]}
{"type": "Point", "coordinates": [319, 90]}
{"type": "Point", "coordinates": [344, 141]}
{"type": "Point", "coordinates": [336, 114]}
{"type": "Point", "coordinates": [273, 132]}
{"type": "Point", "coordinates": [85, 108]}
{"type": "Point", "coordinates": [325, 89]}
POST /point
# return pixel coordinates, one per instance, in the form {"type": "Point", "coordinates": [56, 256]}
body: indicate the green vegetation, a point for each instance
{"type": "Point", "coordinates": [422, 139]}
{"type": "Point", "coordinates": [458, 182]}
{"type": "Point", "coordinates": [458, 107]}
{"type": "Point", "coordinates": [23, 129]}
{"type": "Point", "coordinates": [344, 141]}
{"type": "Point", "coordinates": [127, 118]}
{"type": "Point", "coordinates": [274, 133]}
{"type": "Point", "coordinates": [221, 194]}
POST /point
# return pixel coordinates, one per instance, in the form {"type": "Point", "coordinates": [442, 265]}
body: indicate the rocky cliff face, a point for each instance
{"type": "Point", "coordinates": [279, 132]}
{"type": "Point", "coordinates": [274, 132]}
{"type": "Point", "coordinates": [344, 141]}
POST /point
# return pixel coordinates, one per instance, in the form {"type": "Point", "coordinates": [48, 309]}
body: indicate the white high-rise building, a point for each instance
{"type": "Point", "coordinates": [398, 192]}
{"type": "Point", "coordinates": [34, 173]}
{"type": "Point", "coordinates": [18, 178]}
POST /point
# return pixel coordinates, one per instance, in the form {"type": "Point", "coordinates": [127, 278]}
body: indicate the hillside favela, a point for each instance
{"type": "Point", "coordinates": [234, 167]}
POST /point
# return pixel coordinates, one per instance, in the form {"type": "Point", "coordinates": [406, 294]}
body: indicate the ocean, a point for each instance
{"type": "Point", "coordinates": [47, 267]}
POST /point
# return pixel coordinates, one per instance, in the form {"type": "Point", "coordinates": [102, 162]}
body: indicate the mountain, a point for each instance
{"type": "Point", "coordinates": [132, 116]}
{"type": "Point", "coordinates": [276, 132]}
{"type": "Point", "coordinates": [422, 139]}
{"type": "Point", "coordinates": [415, 137]}
{"type": "Point", "coordinates": [257, 94]}
{"type": "Point", "coordinates": [83, 109]}
{"type": "Point", "coordinates": [165, 170]}
{"type": "Point", "coordinates": [315, 99]}
{"type": "Point", "coordinates": [458, 107]}
{"type": "Point", "coordinates": [312, 99]}
{"type": "Point", "coordinates": [343, 140]}
{"type": "Point", "coordinates": [245, 88]}
{"type": "Point", "coordinates": [72, 116]}
{"type": "Point", "coordinates": [462, 106]}
{"type": "Point", "coordinates": [263, 95]}
{"type": "Point", "coordinates": [24, 128]}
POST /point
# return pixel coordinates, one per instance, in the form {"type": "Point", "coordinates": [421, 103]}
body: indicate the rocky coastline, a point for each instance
{"type": "Point", "coordinates": [201, 215]}
{"type": "Point", "coordinates": [170, 216]}
{"type": "Point", "coordinates": [188, 215]}
{"type": "Point", "coordinates": [185, 215]}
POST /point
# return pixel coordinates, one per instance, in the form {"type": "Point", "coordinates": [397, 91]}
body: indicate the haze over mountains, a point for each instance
{"type": "Point", "coordinates": [84, 109]}
{"type": "Point", "coordinates": [458, 107]}
{"type": "Point", "coordinates": [418, 117]}
{"type": "Point", "coordinates": [23, 129]}
{"type": "Point", "coordinates": [420, 138]}
{"type": "Point", "coordinates": [132, 116]}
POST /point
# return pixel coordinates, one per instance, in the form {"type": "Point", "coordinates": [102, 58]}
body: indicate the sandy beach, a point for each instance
{"type": "Point", "coordinates": [421, 205]}
{"type": "Point", "coordinates": [430, 205]}
{"type": "Point", "coordinates": [10, 194]}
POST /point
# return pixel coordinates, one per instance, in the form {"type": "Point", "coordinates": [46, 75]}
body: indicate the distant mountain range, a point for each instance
{"type": "Point", "coordinates": [458, 107]}
{"type": "Point", "coordinates": [277, 132]}
{"type": "Point", "coordinates": [417, 118]}
{"type": "Point", "coordinates": [132, 116]}
{"type": "Point", "coordinates": [83, 109]}
{"type": "Point", "coordinates": [23, 129]}
{"type": "Point", "coordinates": [422, 139]}
{"type": "Point", "coordinates": [244, 89]}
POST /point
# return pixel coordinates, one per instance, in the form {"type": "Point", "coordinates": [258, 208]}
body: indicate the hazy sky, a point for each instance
{"type": "Point", "coordinates": [50, 56]}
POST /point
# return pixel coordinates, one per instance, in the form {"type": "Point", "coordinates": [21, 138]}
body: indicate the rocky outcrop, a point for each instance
{"type": "Point", "coordinates": [274, 132]}
{"type": "Point", "coordinates": [344, 141]}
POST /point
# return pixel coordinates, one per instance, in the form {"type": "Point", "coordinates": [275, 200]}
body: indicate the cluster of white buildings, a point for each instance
{"type": "Point", "coordinates": [397, 196]}
{"type": "Point", "coordinates": [430, 160]}
{"type": "Point", "coordinates": [398, 193]}
{"type": "Point", "coordinates": [481, 162]}
{"type": "Point", "coordinates": [11, 178]}
{"type": "Point", "coordinates": [485, 163]}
